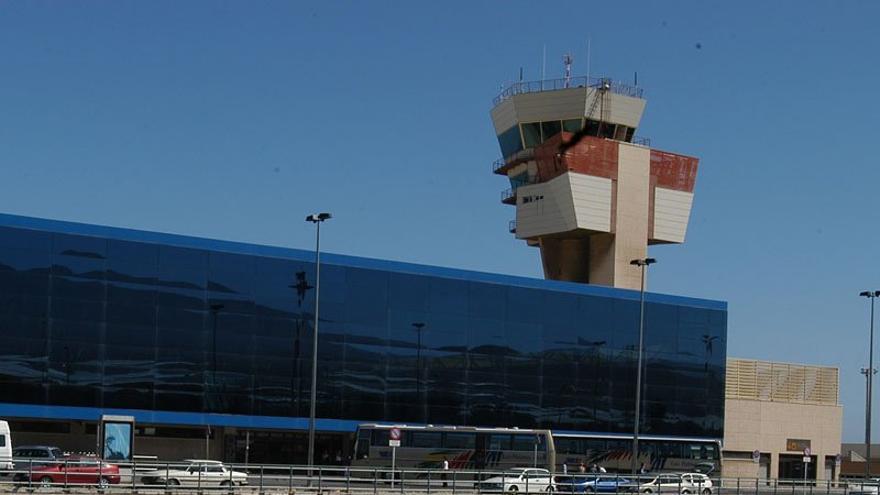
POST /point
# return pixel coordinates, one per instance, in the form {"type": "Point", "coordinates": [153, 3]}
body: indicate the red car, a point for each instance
{"type": "Point", "coordinates": [77, 471]}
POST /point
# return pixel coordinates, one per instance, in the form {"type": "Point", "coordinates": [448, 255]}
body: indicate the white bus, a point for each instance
{"type": "Point", "coordinates": [656, 454]}
{"type": "Point", "coordinates": [464, 447]}
{"type": "Point", "coordinates": [496, 449]}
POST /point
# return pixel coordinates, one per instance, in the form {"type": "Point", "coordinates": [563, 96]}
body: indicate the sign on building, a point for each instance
{"type": "Point", "coordinates": [796, 445]}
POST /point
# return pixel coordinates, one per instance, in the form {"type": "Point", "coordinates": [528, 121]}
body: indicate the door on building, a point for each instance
{"type": "Point", "coordinates": [830, 468]}
{"type": "Point", "coordinates": [764, 467]}
{"type": "Point", "coordinates": [791, 467]}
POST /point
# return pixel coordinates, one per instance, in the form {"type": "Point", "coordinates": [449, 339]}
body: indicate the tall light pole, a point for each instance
{"type": "Point", "coordinates": [643, 264]}
{"type": "Point", "coordinates": [419, 326]}
{"type": "Point", "coordinates": [317, 219]}
{"type": "Point", "coordinates": [215, 311]}
{"type": "Point", "coordinates": [869, 378]}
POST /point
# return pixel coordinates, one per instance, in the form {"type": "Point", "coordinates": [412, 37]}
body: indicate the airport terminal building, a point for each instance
{"type": "Point", "coordinates": [208, 345]}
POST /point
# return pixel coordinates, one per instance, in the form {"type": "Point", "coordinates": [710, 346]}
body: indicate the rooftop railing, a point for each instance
{"type": "Point", "coordinates": [523, 87]}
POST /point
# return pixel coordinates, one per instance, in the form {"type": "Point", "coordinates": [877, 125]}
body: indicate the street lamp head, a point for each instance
{"type": "Point", "coordinates": [418, 325]}
{"type": "Point", "coordinates": [877, 293]}
{"type": "Point", "coordinates": [643, 262]}
{"type": "Point", "coordinates": [318, 217]}
{"type": "Point", "coordinates": [867, 293]}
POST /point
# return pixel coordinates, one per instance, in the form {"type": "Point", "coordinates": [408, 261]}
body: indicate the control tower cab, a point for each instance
{"type": "Point", "coordinates": [587, 192]}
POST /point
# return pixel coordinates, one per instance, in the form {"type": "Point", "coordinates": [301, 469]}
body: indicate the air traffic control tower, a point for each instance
{"type": "Point", "coordinates": [588, 193]}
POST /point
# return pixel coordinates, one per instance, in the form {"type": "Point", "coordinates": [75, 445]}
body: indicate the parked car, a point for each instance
{"type": "Point", "coordinates": [870, 486]}
{"type": "Point", "coordinates": [29, 457]}
{"type": "Point", "coordinates": [686, 483]}
{"type": "Point", "coordinates": [595, 483]}
{"type": "Point", "coordinates": [76, 471]}
{"type": "Point", "coordinates": [520, 480]}
{"type": "Point", "coordinates": [199, 472]}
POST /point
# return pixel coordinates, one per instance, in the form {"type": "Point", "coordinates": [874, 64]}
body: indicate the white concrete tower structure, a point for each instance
{"type": "Point", "coordinates": [587, 193]}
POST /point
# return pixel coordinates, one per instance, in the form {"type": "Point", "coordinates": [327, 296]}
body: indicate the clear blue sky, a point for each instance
{"type": "Point", "coordinates": [233, 120]}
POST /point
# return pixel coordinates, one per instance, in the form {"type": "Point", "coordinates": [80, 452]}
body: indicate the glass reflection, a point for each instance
{"type": "Point", "coordinates": [110, 323]}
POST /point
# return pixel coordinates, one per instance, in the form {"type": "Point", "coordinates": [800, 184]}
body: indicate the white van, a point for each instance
{"type": "Point", "coordinates": [5, 448]}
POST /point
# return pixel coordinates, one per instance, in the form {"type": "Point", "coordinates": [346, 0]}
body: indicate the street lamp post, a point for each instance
{"type": "Point", "coordinates": [643, 264]}
{"type": "Point", "coordinates": [215, 311]}
{"type": "Point", "coordinates": [869, 378]}
{"type": "Point", "coordinates": [317, 219]}
{"type": "Point", "coordinates": [419, 326]}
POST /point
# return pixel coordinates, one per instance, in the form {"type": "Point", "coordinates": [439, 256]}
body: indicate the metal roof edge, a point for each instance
{"type": "Point", "coordinates": [180, 240]}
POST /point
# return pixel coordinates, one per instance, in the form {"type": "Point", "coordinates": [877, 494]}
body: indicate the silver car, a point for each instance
{"type": "Point", "coordinates": [199, 472]}
{"type": "Point", "coordinates": [686, 484]}
{"type": "Point", "coordinates": [520, 480]}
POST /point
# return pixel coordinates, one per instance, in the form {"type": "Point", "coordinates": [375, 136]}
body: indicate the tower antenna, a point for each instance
{"type": "Point", "coordinates": [544, 66]}
{"type": "Point", "coordinates": [567, 60]}
{"type": "Point", "coordinates": [589, 53]}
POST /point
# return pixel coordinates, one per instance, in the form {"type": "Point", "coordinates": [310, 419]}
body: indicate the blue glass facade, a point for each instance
{"type": "Point", "coordinates": [95, 318]}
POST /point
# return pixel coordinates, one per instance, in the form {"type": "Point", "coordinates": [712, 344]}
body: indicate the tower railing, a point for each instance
{"type": "Point", "coordinates": [523, 87]}
{"type": "Point", "coordinates": [641, 141]}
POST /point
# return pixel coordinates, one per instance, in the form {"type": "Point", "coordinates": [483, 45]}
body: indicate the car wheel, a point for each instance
{"type": "Point", "coordinates": [590, 489]}
{"type": "Point", "coordinates": [174, 482]}
{"type": "Point", "coordinates": [46, 481]}
{"type": "Point", "coordinates": [513, 489]}
{"type": "Point", "coordinates": [225, 483]}
{"type": "Point", "coordinates": [647, 490]}
{"type": "Point", "coordinates": [707, 491]}
{"type": "Point", "coordinates": [685, 492]}
{"type": "Point", "coordinates": [104, 483]}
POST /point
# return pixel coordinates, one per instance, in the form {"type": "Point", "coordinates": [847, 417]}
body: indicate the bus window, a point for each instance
{"type": "Point", "coordinates": [594, 446]}
{"type": "Point", "coordinates": [422, 439]}
{"type": "Point", "coordinates": [714, 451]}
{"type": "Point", "coordinates": [362, 450]}
{"type": "Point", "coordinates": [459, 441]}
{"type": "Point", "coordinates": [567, 445]}
{"type": "Point", "coordinates": [650, 447]}
{"type": "Point", "coordinates": [671, 449]}
{"type": "Point", "coordinates": [618, 446]}
{"type": "Point", "coordinates": [701, 451]}
{"type": "Point", "coordinates": [527, 443]}
{"type": "Point", "coordinates": [380, 438]}
{"type": "Point", "coordinates": [499, 442]}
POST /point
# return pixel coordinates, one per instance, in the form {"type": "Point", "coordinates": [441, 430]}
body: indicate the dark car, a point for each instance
{"type": "Point", "coordinates": [595, 483]}
{"type": "Point", "coordinates": [27, 458]}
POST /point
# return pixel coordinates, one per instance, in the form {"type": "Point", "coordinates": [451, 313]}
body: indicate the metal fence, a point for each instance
{"type": "Point", "coordinates": [90, 476]}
